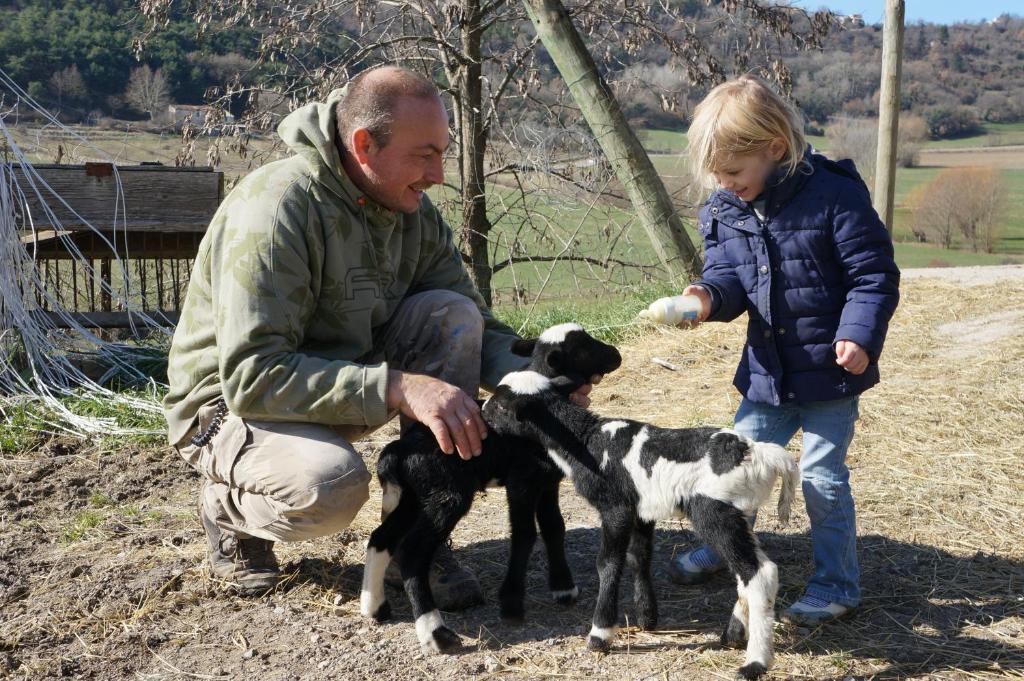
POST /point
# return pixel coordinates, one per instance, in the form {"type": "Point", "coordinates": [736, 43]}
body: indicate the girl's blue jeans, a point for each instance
{"type": "Point", "coordinates": [827, 431]}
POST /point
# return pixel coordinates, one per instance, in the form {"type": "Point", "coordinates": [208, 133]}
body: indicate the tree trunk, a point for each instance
{"type": "Point", "coordinates": [627, 156]}
{"type": "Point", "coordinates": [475, 224]}
{"type": "Point", "coordinates": [889, 110]}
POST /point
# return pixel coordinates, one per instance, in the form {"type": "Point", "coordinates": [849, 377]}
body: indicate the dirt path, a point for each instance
{"type": "Point", "coordinates": [102, 574]}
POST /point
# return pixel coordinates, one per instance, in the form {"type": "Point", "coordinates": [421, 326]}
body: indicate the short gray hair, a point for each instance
{"type": "Point", "coordinates": [372, 97]}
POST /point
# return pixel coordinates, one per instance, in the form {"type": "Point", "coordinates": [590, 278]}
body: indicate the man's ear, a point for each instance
{"type": "Point", "coordinates": [524, 347]}
{"type": "Point", "coordinates": [363, 145]}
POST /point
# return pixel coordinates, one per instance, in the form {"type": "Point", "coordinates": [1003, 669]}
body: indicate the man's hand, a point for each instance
{"type": "Point", "coordinates": [851, 357]}
{"type": "Point", "coordinates": [451, 414]}
{"type": "Point", "coordinates": [581, 395]}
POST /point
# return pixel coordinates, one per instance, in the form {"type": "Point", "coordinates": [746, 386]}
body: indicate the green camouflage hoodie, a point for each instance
{"type": "Point", "coordinates": [285, 295]}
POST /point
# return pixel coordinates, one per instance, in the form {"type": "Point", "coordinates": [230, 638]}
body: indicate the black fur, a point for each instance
{"type": "Point", "coordinates": [594, 448]}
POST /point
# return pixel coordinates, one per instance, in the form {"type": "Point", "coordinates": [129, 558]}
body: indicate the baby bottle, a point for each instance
{"type": "Point", "coordinates": [673, 310]}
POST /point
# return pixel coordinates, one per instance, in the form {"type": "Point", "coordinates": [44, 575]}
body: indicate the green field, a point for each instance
{"type": "Point", "coordinates": [549, 223]}
{"type": "Point", "coordinates": [994, 135]}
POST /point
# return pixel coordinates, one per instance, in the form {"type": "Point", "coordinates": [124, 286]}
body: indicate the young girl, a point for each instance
{"type": "Point", "coordinates": [791, 238]}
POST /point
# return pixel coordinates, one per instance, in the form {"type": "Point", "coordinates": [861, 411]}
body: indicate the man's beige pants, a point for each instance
{"type": "Point", "coordinates": [292, 481]}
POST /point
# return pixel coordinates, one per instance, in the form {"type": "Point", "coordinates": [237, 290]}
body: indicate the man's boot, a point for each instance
{"type": "Point", "coordinates": [454, 586]}
{"type": "Point", "coordinates": [247, 563]}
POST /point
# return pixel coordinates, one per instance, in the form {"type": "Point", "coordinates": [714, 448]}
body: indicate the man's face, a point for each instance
{"type": "Point", "coordinates": [398, 173]}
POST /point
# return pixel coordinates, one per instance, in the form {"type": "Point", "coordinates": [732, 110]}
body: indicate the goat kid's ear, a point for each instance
{"type": "Point", "coordinates": [524, 347]}
{"type": "Point", "coordinates": [524, 409]}
{"type": "Point", "coordinates": [565, 385]}
{"type": "Point", "coordinates": [555, 359]}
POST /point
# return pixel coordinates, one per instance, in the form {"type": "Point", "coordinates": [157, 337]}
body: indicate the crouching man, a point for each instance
{"type": "Point", "coordinates": [327, 297]}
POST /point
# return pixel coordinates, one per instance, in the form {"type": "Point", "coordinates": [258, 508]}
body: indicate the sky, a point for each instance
{"type": "Point", "coordinates": [934, 11]}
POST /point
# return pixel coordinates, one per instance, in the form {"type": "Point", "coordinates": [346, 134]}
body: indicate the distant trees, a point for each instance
{"type": "Point", "coordinates": [969, 202]}
{"type": "Point", "coordinates": [857, 139]}
{"type": "Point", "coordinates": [68, 86]}
{"type": "Point", "coordinates": [147, 91]}
{"type": "Point", "coordinates": [952, 121]}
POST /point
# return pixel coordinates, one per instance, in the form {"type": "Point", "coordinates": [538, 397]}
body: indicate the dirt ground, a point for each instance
{"type": "Point", "coordinates": [102, 577]}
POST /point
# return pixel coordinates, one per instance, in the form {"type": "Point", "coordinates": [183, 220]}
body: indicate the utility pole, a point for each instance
{"type": "Point", "coordinates": [627, 156]}
{"type": "Point", "coordinates": [889, 110]}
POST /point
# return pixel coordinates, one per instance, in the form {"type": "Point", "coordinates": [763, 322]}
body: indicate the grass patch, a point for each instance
{"type": "Point", "coordinates": [80, 525]}
{"type": "Point", "coordinates": [611, 318]}
{"type": "Point", "coordinates": [27, 424]}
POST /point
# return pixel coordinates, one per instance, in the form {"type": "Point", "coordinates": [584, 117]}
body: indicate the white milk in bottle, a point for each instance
{"type": "Point", "coordinates": [673, 310]}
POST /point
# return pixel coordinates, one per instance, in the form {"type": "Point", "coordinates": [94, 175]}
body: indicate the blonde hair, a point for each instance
{"type": "Point", "coordinates": [741, 117]}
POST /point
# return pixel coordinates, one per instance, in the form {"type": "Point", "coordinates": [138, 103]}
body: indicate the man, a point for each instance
{"type": "Point", "coordinates": [326, 297]}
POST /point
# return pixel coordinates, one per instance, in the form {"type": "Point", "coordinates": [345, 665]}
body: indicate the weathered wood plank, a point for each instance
{"type": "Point", "coordinates": [132, 245]}
{"type": "Point", "coordinates": [155, 199]}
{"type": "Point", "coordinates": [114, 320]}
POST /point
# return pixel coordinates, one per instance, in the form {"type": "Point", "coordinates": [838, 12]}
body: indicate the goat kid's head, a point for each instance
{"type": "Point", "coordinates": [568, 350]}
{"type": "Point", "coordinates": [562, 359]}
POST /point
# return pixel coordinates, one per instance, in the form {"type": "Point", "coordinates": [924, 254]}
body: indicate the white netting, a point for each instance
{"type": "Point", "coordinates": [43, 346]}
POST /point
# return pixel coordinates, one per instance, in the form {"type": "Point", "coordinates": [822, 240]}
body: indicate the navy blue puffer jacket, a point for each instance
{"type": "Point", "coordinates": [818, 269]}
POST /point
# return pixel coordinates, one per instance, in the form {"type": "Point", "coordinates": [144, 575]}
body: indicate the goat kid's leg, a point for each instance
{"type": "Point", "coordinates": [641, 546]}
{"type": "Point", "coordinates": [522, 504]}
{"type": "Point", "coordinates": [728, 532]}
{"type": "Point", "coordinates": [414, 558]}
{"type": "Point", "coordinates": [616, 528]}
{"type": "Point", "coordinates": [552, 530]}
{"type": "Point", "coordinates": [382, 545]}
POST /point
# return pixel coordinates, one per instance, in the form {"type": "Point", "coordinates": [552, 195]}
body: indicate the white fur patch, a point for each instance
{"type": "Point", "coordinates": [565, 593]}
{"type": "Point", "coordinates": [604, 460]}
{"type": "Point", "coordinates": [389, 500]}
{"type": "Point", "coordinates": [426, 624]}
{"type": "Point", "coordinates": [612, 427]}
{"type": "Point", "coordinates": [372, 594]}
{"type": "Point", "coordinates": [556, 334]}
{"type": "Point", "coordinates": [603, 633]}
{"type": "Point", "coordinates": [561, 462]}
{"type": "Point", "coordinates": [526, 382]}
{"type": "Point", "coordinates": [747, 486]}
{"type": "Point", "coordinates": [759, 595]}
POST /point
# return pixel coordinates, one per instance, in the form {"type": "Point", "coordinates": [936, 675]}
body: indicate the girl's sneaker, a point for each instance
{"type": "Point", "coordinates": [811, 611]}
{"type": "Point", "coordinates": [695, 566]}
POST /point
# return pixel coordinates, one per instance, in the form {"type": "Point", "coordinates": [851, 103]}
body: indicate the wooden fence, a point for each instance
{"type": "Point", "coordinates": [142, 245]}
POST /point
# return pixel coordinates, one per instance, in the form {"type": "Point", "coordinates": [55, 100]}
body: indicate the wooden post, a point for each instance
{"type": "Point", "coordinates": [620, 145]}
{"type": "Point", "coordinates": [889, 110]}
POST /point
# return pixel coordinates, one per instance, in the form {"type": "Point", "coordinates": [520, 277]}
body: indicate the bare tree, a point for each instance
{"type": "Point", "coordinates": [966, 201]}
{"type": "Point", "coordinates": [68, 84]}
{"type": "Point", "coordinates": [484, 55]}
{"type": "Point", "coordinates": [147, 90]}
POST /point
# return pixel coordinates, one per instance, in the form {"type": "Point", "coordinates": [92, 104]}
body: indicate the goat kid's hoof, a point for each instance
{"type": "Point", "coordinates": [647, 623]}
{"type": "Point", "coordinates": [735, 634]}
{"type": "Point", "coordinates": [754, 670]}
{"type": "Point", "coordinates": [513, 614]}
{"type": "Point", "coordinates": [383, 613]}
{"type": "Point", "coordinates": [598, 644]}
{"type": "Point", "coordinates": [565, 596]}
{"type": "Point", "coordinates": [441, 640]}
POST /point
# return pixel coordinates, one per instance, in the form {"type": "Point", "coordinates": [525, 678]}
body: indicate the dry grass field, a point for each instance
{"type": "Point", "coordinates": [102, 574]}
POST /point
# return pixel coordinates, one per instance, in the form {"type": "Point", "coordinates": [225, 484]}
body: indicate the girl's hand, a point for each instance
{"type": "Point", "coordinates": [851, 357]}
{"type": "Point", "coordinates": [705, 301]}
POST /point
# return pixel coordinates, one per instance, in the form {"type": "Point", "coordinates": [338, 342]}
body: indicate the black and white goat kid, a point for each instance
{"type": "Point", "coordinates": [635, 474]}
{"type": "Point", "coordinates": [426, 493]}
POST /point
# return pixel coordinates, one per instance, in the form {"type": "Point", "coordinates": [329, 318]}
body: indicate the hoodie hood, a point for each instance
{"type": "Point", "coordinates": [310, 132]}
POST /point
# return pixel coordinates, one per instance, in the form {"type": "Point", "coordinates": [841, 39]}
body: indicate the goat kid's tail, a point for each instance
{"type": "Point", "coordinates": [388, 468]}
{"type": "Point", "coordinates": [777, 460]}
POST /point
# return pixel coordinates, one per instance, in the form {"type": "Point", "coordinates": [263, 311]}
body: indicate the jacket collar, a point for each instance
{"type": "Point", "coordinates": [779, 190]}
